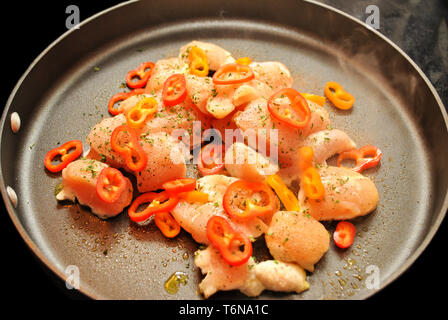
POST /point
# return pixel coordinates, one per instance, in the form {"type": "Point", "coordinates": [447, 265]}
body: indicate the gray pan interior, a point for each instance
{"type": "Point", "coordinates": [61, 97]}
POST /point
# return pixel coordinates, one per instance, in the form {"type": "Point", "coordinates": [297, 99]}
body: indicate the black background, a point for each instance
{"type": "Point", "coordinates": [28, 28]}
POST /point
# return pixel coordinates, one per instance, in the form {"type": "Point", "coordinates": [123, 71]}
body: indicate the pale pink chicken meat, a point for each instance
{"type": "Point", "coordinates": [325, 144]}
{"type": "Point", "coordinates": [245, 163]}
{"type": "Point", "coordinates": [256, 116]}
{"type": "Point", "coordinates": [99, 141]}
{"type": "Point", "coordinates": [216, 56]}
{"type": "Point", "coordinates": [298, 238]}
{"type": "Point", "coordinates": [79, 180]}
{"type": "Point", "coordinates": [250, 278]}
{"type": "Point", "coordinates": [193, 217]}
{"type": "Point", "coordinates": [162, 70]}
{"type": "Point", "coordinates": [165, 161]}
{"type": "Point", "coordinates": [348, 195]}
{"type": "Point", "coordinates": [274, 74]}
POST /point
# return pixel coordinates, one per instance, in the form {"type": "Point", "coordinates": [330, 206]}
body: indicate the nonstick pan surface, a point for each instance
{"type": "Point", "coordinates": [65, 92]}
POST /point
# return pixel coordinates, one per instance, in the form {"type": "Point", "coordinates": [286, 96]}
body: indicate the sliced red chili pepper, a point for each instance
{"type": "Point", "coordinates": [180, 185]}
{"type": "Point", "coordinates": [129, 148]}
{"type": "Point", "coordinates": [344, 234]}
{"type": "Point", "coordinates": [239, 200]}
{"type": "Point", "coordinates": [235, 248]}
{"type": "Point", "coordinates": [167, 224]}
{"type": "Point", "coordinates": [142, 73]}
{"type": "Point", "coordinates": [158, 202]}
{"type": "Point", "coordinates": [174, 90]}
{"type": "Point", "coordinates": [65, 157]}
{"type": "Point", "coordinates": [297, 114]}
{"type": "Point", "coordinates": [110, 185]}
{"type": "Point", "coordinates": [211, 162]}
{"type": "Point", "coordinates": [121, 97]}
{"type": "Point", "coordinates": [226, 74]}
{"type": "Point", "coordinates": [366, 157]}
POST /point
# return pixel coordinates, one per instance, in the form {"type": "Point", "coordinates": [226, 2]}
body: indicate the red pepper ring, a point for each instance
{"type": "Point", "coordinates": [158, 202]}
{"type": "Point", "coordinates": [141, 73]}
{"type": "Point", "coordinates": [248, 207]}
{"type": "Point", "coordinates": [66, 157]}
{"type": "Point", "coordinates": [121, 97]}
{"type": "Point", "coordinates": [110, 185]}
{"type": "Point", "coordinates": [167, 224]}
{"type": "Point", "coordinates": [299, 107]}
{"type": "Point", "coordinates": [344, 234]}
{"type": "Point", "coordinates": [211, 162]}
{"type": "Point", "coordinates": [366, 157]}
{"type": "Point", "coordinates": [174, 90]}
{"type": "Point", "coordinates": [228, 241]}
{"type": "Point", "coordinates": [180, 185]}
{"type": "Point", "coordinates": [133, 154]}
{"type": "Point", "coordinates": [222, 75]}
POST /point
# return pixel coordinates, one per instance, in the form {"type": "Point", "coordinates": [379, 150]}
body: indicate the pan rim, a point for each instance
{"type": "Point", "coordinates": [85, 289]}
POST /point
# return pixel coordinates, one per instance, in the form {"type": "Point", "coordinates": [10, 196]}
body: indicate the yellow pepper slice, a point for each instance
{"type": "Point", "coordinates": [338, 96]}
{"type": "Point", "coordinates": [136, 117]}
{"type": "Point", "coordinates": [244, 61]}
{"type": "Point", "coordinates": [315, 98]}
{"type": "Point", "coordinates": [286, 196]}
{"type": "Point", "coordinates": [312, 184]}
{"type": "Point", "coordinates": [194, 196]}
{"type": "Point", "coordinates": [306, 155]}
{"type": "Point", "coordinates": [198, 62]}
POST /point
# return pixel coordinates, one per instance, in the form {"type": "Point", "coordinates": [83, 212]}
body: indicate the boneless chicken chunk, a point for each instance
{"type": "Point", "coordinates": [348, 194]}
{"type": "Point", "coordinates": [193, 217]}
{"type": "Point", "coordinates": [163, 69]}
{"type": "Point", "coordinates": [297, 238]}
{"type": "Point", "coordinates": [79, 180]}
{"type": "Point", "coordinates": [216, 55]}
{"type": "Point", "coordinates": [275, 74]}
{"type": "Point", "coordinates": [222, 276]}
{"type": "Point", "coordinates": [245, 163]}
{"type": "Point", "coordinates": [99, 141]}
{"type": "Point", "coordinates": [165, 161]}
{"type": "Point", "coordinates": [281, 276]}
{"type": "Point", "coordinates": [257, 117]}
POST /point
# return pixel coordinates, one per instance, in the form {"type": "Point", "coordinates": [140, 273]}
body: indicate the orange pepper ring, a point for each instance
{"type": "Point", "coordinates": [167, 224]}
{"type": "Point", "coordinates": [338, 96]}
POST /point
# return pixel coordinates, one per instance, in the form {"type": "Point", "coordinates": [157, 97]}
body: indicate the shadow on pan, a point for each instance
{"type": "Point", "coordinates": [397, 109]}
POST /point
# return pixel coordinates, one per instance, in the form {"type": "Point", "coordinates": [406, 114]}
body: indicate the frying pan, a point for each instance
{"type": "Point", "coordinates": [68, 87]}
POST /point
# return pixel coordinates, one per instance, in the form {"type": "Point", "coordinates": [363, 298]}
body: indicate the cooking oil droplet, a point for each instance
{"type": "Point", "coordinates": [185, 256]}
{"type": "Point", "coordinates": [173, 283]}
{"type": "Point", "coordinates": [338, 273]}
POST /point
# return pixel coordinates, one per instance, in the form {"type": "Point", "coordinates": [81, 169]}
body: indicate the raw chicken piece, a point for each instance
{"type": "Point", "coordinates": [245, 163]}
{"type": "Point", "coordinates": [250, 278]}
{"type": "Point", "coordinates": [256, 116]}
{"type": "Point", "coordinates": [226, 98]}
{"type": "Point", "coordinates": [280, 276]}
{"type": "Point", "coordinates": [79, 181]}
{"type": "Point", "coordinates": [348, 194]}
{"type": "Point", "coordinates": [325, 144]}
{"type": "Point", "coordinates": [222, 276]}
{"type": "Point", "coordinates": [199, 90]}
{"type": "Point", "coordinates": [193, 217]}
{"type": "Point", "coordinates": [216, 55]}
{"type": "Point", "coordinates": [99, 141]}
{"type": "Point", "coordinates": [163, 69]}
{"type": "Point", "coordinates": [298, 238]}
{"type": "Point", "coordinates": [165, 161]}
{"type": "Point", "coordinates": [275, 74]}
